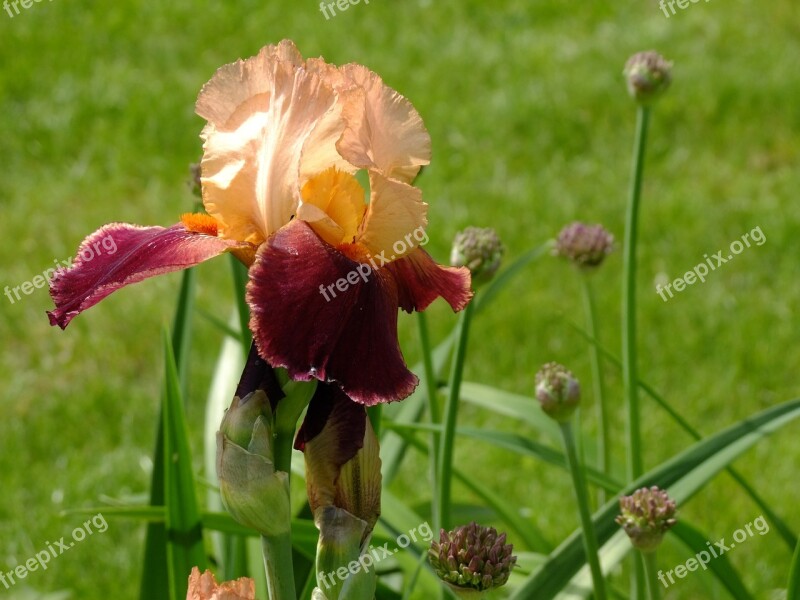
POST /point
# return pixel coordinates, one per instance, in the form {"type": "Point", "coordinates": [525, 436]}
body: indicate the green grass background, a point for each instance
{"type": "Point", "coordinates": [531, 129]}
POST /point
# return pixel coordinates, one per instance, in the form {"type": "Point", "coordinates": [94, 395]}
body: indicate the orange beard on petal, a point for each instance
{"type": "Point", "coordinates": [200, 223]}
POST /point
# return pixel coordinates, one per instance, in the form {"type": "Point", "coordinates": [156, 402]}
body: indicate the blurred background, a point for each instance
{"type": "Point", "coordinates": [532, 128]}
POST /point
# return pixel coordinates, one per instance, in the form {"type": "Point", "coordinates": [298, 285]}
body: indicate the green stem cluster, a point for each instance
{"type": "Point", "coordinates": [651, 574]}
{"type": "Point", "coordinates": [445, 470]}
{"type": "Point", "coordinates": [590, 544]}
{"type": "Point", "coordinates": [635, 464]}
{"type": "Point", "coordinates": [629, 363]}
{"type": "Point", "coordinates": [278, 564]}
{"type": "Point", "coordinates": [434, 414]}
{"type": "Point", "coordinates": [603, 450]}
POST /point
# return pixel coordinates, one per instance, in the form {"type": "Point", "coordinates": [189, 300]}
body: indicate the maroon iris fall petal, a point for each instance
{"type": "Point", "coordinates": [349, 337]}
{"type": "Point", "coordinates": [120, 254]}
{"type": "Point", "coordinates": [420, 281]}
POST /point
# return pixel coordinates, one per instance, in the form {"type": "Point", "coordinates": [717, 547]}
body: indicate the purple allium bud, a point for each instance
{"type": "Point", "coordinates": [646, 516]}
{"type": "Point", "coordinates": [480, 250]}
{"type": "Point", "coordinates": [648, 75]}
{"type": "Point", "coordinates": [557, 391]}
{"type": "Point", "coordinates": [585, 245]}
{"type": "Point", "coordinates": [472, 558]}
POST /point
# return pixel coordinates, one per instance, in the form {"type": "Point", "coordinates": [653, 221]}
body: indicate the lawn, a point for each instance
{"type": "Point", "coordinates": [531, 127]}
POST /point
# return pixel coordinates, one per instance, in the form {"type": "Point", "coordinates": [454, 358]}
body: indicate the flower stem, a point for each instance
{"type": "Point", "coordinates": [651, 570]}
{"type": "Point", "coordinates": [445, 470]}
{"type": "Point", "coordinates": [589, 536]}
{"type": "Point", "coordinates": [278, 563]}
{"type": "Point", "coordinates": [603, 451]}
{"type": "Point", "coordinates": [277, 549]}
{"type": "Point", "coordinates": [629, 371]}
{"type": "Point", "coordinates": [434, 413]}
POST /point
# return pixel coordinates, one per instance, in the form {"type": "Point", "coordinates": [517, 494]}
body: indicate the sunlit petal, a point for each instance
{"type": "Point", "coordinates": [384, 130]}
{"type": "Point", "coordinates": [396, 218]}
{"type": "Point", "coordinates": [250, 171]}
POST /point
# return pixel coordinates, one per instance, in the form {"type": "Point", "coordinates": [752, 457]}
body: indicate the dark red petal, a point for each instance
{"type": "Point", "coordinates": [259, 375]}
{"type": "Point", "coordinates": [420, 281]}
{"type": "Point", "coordinates": [330, 407]}
{"type": "Point", "coordinates": [351, 337]}
{"type": "Point", "coordinates": [331, 436]}
{"type": "Point", "coordinates": [120, 254]}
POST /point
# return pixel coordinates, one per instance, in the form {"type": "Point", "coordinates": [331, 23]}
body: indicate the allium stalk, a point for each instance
{"type": "Point", "coordinates": [558, 391]}
{"type": "Point", "coordinates": [647, 75]}
{"type": "Point", "coordinates": [472, 559]}
{"type": "Point", "coordinates": [481, 251]}
{"type": "Point", "coordinates": [587, 246]}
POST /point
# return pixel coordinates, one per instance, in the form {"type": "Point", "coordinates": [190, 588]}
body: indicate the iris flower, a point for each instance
{"type": "Point", "coordinates": [330, 263]}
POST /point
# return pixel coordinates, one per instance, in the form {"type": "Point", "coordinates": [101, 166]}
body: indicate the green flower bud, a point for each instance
{"type": "Point", "coordinates": [646, 516]}
{"type": "Point", "coordinates": [557, 391]}
{"type": "Point", "coordinates": [648, 75]}
{"type": "Point", "coordinates": [472, 559]}
{"type": "Point", "coordinates": [478, 249]}
{"type": "Point", "coordinates": [585, 245]}
{"type": "Point", "coordinates": [254, 493]}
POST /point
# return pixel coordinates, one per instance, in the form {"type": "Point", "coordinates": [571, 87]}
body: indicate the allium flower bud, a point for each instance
{"type": "Point", "coordinates": [557, 391]}
{"type": "Point", "coordinates": [480, 250]}
{"type": "Point", "coordinates": [648, 75]}
{"type": "Point", "coordinates": [646, 516]}
{"type": "Point", "coordinates": [585, 245]}
{"type": "Point", "coordinates": [472, 558]}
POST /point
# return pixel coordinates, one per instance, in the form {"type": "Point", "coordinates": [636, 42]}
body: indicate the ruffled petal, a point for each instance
{"type": "Point", "coordinates": [120, 254]}
{"type": "Point", "coordinates": [261, 114]}
{"type": "Point", "coordinates": [420, 280]}
{"type": "Point", "coordinates": [384, 130]}
{"type": "Point", "coordinates": [235, 84]}
{"type": "Point", "coordinates": [322, 315]}
{"type": "Point", "coordinates": [396, 218]}
{"type": "Point", "coordinates": [205, 587]}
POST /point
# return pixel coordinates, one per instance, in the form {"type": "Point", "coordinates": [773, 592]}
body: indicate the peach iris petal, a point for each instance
{"type": "Point", "coordinates": [384, 130]}
{"type": "Point", "coordinates": [205, 587]}
{"type": "Point", "coordinates": [252, 150]}
{"type": "Point", "coordinates": [396, 218]}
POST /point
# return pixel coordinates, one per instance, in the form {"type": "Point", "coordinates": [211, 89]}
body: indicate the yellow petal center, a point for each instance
{"type": "Point", "coordinates": [333, 205]}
